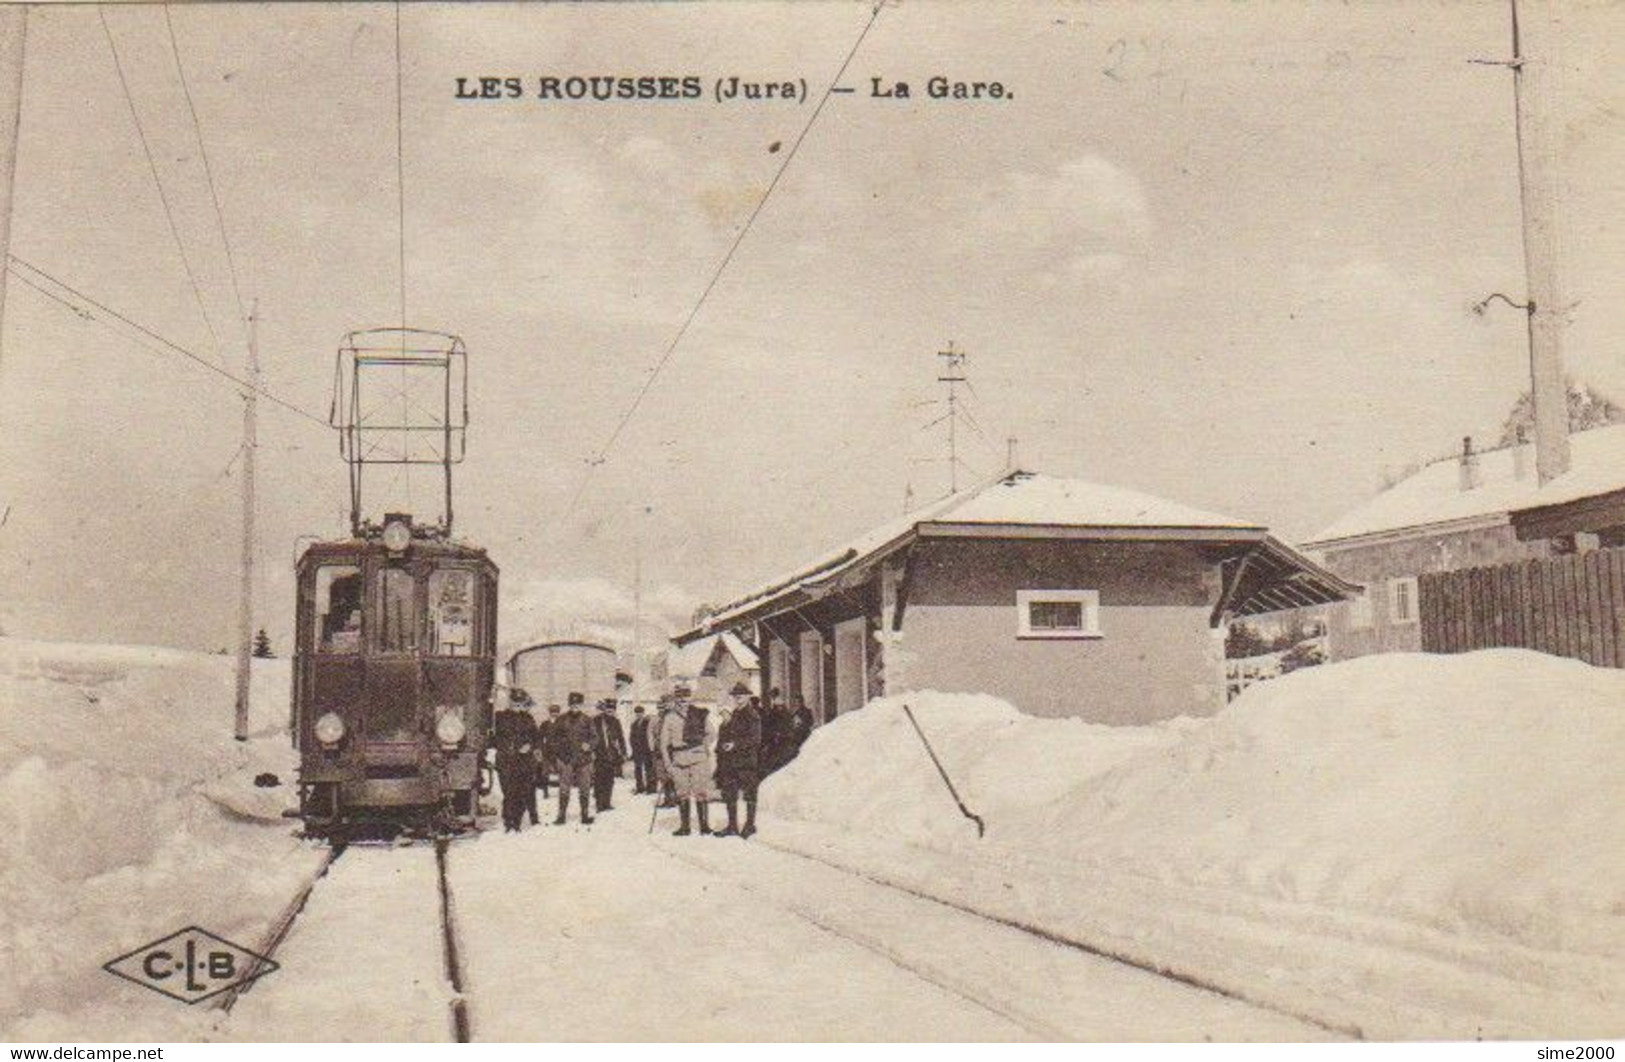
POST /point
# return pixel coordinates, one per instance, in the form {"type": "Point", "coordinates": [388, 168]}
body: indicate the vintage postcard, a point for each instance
{"type": "Point", "coordinates": [868, 521]}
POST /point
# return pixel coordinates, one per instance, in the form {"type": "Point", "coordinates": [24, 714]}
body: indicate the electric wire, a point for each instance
{"type": "Point", "coordinates": [163, 196]}
{"type": "Point", "coordinates": [208, 169]}
{"type": "Point", "coordinates": [168, 344]}
{"type": "Point", "coordinates": [677, 338]}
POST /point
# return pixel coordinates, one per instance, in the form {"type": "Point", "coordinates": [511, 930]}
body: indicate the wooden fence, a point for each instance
{"type": "Point", "coordinates": [1570, 606]}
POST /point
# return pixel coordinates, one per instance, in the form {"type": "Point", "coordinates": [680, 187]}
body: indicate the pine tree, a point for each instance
{"type": "Point", "coordinates": [1588, 408]}
{"type": "Point", "coordinates": [262, 645]}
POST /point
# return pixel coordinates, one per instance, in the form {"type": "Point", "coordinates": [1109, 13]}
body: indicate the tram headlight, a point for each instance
{"type": "Point", "coordinates": [397, 535]}
{"type": "Point", "coordinates": [450, 729]}
{"type": "Point", "coordinates": [329, 729]}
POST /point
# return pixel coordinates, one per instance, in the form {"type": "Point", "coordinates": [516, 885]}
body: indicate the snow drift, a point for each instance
{"type": "Point", "coordinates": [1456, 812]}
{"type": "Point", "coordinates": [127, 812]}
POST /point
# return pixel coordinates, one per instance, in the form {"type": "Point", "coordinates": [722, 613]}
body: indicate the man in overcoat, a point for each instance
{"type": "Point", "coordinates": [642, 753]}
{"type": "Point", "coordinates": [739, 742]}
{"type": "Point", "coordinates": [609, 752]}
{"type": "Point", "coordinates": [687, 744]}
{"type": "Point", "coordinates": [513, 734]}
{"type": "Point", "coordinates": [573, 757]}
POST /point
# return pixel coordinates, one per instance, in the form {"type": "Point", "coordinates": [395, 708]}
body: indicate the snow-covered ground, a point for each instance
{"type": "Point", "coordinates": [1406, 845]}
{"type": "Point", "coordinates": [610, 932]}
{"type": "Point", "coordinates": [128, 812]}
{"type": "Point", "coordinates": [1402, 846]}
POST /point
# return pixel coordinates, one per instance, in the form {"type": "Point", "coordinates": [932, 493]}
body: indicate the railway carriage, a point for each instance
{"type": "Point", "coordinates": [392, 678]}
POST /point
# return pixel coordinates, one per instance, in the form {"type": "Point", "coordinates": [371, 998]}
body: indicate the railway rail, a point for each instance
{"type": "Point", "coordinates": [1191, 980]}
{"type": "Point", "coordinates": [281, 929]}
{"type": "Point", "coordinates": [947, 982]}
{"type": "Point", "coordinates": [278, 931]}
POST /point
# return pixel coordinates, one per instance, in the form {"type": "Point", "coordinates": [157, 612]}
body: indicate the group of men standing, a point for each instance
{"type": "Point", "coordinates": [684, 752]}
{"type": "Point", "coordinates": [691, 757]}
{"type": "Point", "coordinates": [584, 752]}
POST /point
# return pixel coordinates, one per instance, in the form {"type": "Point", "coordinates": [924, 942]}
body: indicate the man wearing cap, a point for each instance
{"type": "Point", "coordinates": [544, 745]}
{"type": "Point", "coordinates": [668, 797]}
{"type": "Point", "coordinates": [608, 753]}
{"type": "Point", "coordinates": [739, 742]}
{"type": "Point", "coordinates": [775, 733]}
{"type": "Point", "coordinates": [573, 756]}
{"type": "Point", "coordinates": [642, 753]}
{"type": "Point", "coordinates": [513, 733]}
{"type": "Point", "coordinates": [687, 740]}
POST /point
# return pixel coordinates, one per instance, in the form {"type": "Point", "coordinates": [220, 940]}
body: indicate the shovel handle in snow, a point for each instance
{"type": "Point", "coordinates": [981, 827]}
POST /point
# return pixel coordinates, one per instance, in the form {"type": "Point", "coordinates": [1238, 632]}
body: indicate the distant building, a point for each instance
{"type": "Point", "coordinates": [712, 666]}
{"type": "Point", "coordinates": [550, 671]}
{"type": "Point", "coordinates": [1063, 597]}
{"type": "Point", "coordinates": [1473, 510]}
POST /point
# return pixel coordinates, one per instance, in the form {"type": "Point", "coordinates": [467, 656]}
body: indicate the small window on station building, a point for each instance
{"type": "Point", "coordinates": [1402, 600]}
{"type": "Point", "coordinates": [1058, 613]}
{"type": "Point", "coordinates": [337, 627]}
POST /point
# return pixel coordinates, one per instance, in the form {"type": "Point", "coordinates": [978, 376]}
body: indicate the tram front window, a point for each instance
{"type": "Point", "coordinates": [451, 612]}
{"type": "Point", "coordinates": [397, 611]}
{"type": "Point", "coordinates": [338, 608]}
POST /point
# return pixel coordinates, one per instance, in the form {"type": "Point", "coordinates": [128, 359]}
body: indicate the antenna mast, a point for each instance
{"type": "Point", "coordinates": [953, 376]}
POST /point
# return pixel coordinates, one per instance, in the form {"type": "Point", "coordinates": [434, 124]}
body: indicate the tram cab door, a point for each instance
{"type": "Point", "coordinates": [389, 706]}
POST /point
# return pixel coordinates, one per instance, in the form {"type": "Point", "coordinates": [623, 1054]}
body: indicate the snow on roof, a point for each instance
{"type": "Point", "coordinates": [1030, 498]}
{"type": "Point", "coordinates": [687, 661]}
{"type": "Point", "coordinates": [743, 654]}
{"type": "Point", "coordinates": [1017, 499]}
{"type": "Point", "coordinates": [1434, 495]}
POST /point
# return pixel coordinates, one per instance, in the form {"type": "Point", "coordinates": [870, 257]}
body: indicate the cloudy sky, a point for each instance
{"type": "Point", "coordinates": [1222, 253]}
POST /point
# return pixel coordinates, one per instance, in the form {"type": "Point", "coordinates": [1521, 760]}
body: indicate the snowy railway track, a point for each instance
{"type": "Point", "coordinates": [345, 940]}
{"type": "Point", "coordinates": [461, 1026]}
{"type": "Point", "coordinates": [278, 932]}
{"type": "Point", "coordinates": [1167, 973]}
{"type": "Point", "coordinates": [953, 985]}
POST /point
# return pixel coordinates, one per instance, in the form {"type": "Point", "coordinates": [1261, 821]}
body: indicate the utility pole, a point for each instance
{"type": "Point", "coordinates": [245, 605]}
{"type": "Point", "coordinates": [13, 34]}
{"type": "Point", "coordinates": [1538, 188]}
{"type": "Point", "coordinates": [953, 370]}
{"type": "Point", "coordinates": [637, 608]}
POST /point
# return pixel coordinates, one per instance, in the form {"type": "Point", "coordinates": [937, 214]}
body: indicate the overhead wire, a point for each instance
{"type": "Point", "coordinates": [688, 321]}
{"type": "Point", "coordinates": [163, 196]}
{"type": "Point", "coordinates": [208, 169]}
{"type": "Point", "coordinates": [168, 344]}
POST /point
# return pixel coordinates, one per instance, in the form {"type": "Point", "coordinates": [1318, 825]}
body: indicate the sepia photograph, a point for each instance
{"type": "Point", "coordinates": [719, 522]}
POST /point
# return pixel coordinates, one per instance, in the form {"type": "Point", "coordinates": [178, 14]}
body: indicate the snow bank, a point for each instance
{"type": "Point", "coordinates": [1469, 792]}
{"type": "Point", "coordinates": [1409, 845]}
{"type": "Point", "coordinates": [869, 771]}
{"type": "Point", "coordinates": [127, 812]}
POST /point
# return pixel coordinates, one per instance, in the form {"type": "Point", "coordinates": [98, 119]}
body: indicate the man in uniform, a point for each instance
{"type": "Point", "coordinates": [801, 728]}
{"type": "Point", "coordinates": [775, 733]}
{"type": "Point", "coordinates": [513, 733]}
{"type": "Point", "coordinates": [668, 797]}
{"type": "Point", "coordinates": [686, 742]}
{"type": "Point", "coordinates": [609, 752]}
{"type": "Point", "coordinates": [544, 747]}
{"type": "Point", "coordinates": [642, 753]}
{"type": "Point", "coordinates": [572, 756]}
{"type": "Point", "coordinates": [739, 742]}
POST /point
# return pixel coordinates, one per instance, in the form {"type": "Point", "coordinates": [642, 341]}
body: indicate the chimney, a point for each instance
{"type": "Point", "coordinates": [1520, 456]}
{"type": "Point", "coordinates": [1470, 476]}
